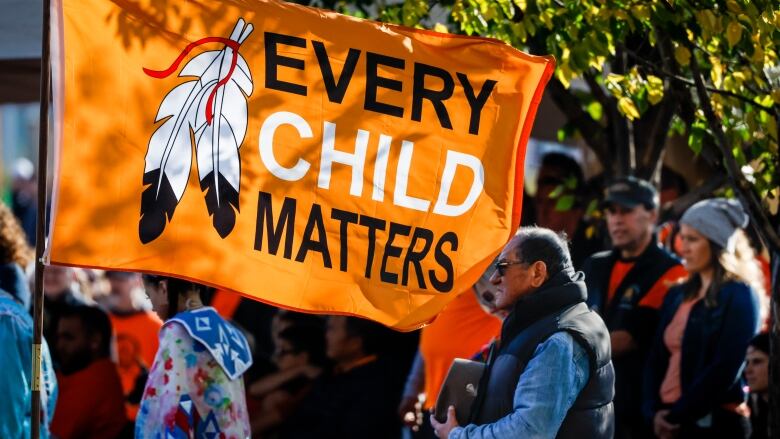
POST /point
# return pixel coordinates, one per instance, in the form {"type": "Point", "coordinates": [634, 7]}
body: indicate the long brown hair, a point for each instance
{"type": "Point", "coordinates": [739, 265]}
{"type": "Point", "coordinates": [13, 243]}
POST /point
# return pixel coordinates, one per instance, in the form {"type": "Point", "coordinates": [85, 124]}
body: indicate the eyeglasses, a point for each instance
{"type": "Point", "coordinates": [501, 266]}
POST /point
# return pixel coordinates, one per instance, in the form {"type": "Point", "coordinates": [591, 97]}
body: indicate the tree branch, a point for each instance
{"type": "Point", "coordinates": [738, 181]}
{"type": "Point", "coordinates": [691, 83]}
{"type": "Point", "coordinates": [591, 131]}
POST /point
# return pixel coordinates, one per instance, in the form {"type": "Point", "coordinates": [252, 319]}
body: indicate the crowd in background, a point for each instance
{"type": "Point", "coordinates": [683, 298]}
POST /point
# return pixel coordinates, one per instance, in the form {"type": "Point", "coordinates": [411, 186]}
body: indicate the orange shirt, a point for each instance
{"type": "Point", "coordinates": [655, 296]}
{"type": "Point", "coordinates": [226, 303]}
{"type": "Point", "coordinates": [460, 331]}
{"type": "Point", "coordinates": [671, 387]}
{"type": "Point", "coordinates": [136, 340]}
{"type": "Point", "coordinates": [90, 403]}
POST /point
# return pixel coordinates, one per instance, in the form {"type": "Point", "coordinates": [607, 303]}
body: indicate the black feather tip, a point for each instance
{"type": "Point", "coordinates": [156, 208]}
{"type": "Point", "coordinates": [223, 215]}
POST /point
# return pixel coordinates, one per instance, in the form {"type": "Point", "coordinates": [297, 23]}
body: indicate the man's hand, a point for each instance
{"type": "Point", "coordinates": [443, 430]}
{"type": "Point", "coordinates": [662, 428]}
{"type": "Point", "coordinates": [622, 343]}
{"type": "Point", "coordinates": [407, 407]}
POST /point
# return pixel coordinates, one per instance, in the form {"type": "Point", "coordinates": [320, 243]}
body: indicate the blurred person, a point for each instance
{"type": "Point", "coordinates": [551, 374]}
{"type": "Point", "coordinates": [196, 378]}
{"type": "Point", "coordinates": [284, 318]}
{"type": "Point", "coordinates": [24, 197]}
{"type": "Point", "coordinates": [16, 337]}
{"type": "Point", "coordinates": [300, 358]}
{"type": "Point", "coordinates": [356, 399]}
{"type": "Point", "coordinates": [693, 385]}
{"type": "Point", "coordinates": [91, 402]}
{"type": "Point", "coordinates": [473, 320]}
{"type": "Point", "coordinates": [562, 174]}
{"type": "Point", "coordinates": [673, 186]}
{"type": "Point", "coordinates": [627, 286]}
{"type": "Point", "coordinates": [757, 377]}
{"type": "Point", "coordinates": [136, 328]}
{"type": "Point", "coordinates": [60, 292]}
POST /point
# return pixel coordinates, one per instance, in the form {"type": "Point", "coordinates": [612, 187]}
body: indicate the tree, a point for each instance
{"type": "Point", "coordinates": [633, 74]}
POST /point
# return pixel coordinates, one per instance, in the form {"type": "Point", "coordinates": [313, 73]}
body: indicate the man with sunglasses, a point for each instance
{"type": "Point", "coordinates": [551, 374]}
{"type": "Point", "coordinates": [627, 286]}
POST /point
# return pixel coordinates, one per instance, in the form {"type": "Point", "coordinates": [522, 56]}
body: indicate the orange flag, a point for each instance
{"type": "Point", "coordinates": [300, 157]}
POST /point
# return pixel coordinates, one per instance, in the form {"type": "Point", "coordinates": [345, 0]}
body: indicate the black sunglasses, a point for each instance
{"type": "Point", "coordinates": [501, 266]}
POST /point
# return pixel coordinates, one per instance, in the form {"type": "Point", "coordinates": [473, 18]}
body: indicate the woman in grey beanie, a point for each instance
{"type": "Point", "coordinates": [693, 385]}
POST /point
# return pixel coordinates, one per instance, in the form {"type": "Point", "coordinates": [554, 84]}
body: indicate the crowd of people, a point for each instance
{"type": "Point", "coordinates": [618, 321]}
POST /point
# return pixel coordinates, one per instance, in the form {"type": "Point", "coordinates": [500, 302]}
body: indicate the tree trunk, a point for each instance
{"type": "Point", "coordinates": [774, 351]}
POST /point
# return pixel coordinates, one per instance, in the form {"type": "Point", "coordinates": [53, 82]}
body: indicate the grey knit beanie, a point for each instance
{"type": "Point", "coordinates": [718, 219]}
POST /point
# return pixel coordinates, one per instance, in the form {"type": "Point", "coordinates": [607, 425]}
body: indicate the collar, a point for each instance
{"type": "Point", "coordinates": [224, 341]}
{"type": "Point", "coordinates": [648, 250]}
{"type": "Point", "coordinates": [562, 290]}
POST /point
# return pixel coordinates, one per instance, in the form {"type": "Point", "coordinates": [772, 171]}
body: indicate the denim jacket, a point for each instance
{"type": "Point", "coordinates": [549, 385]}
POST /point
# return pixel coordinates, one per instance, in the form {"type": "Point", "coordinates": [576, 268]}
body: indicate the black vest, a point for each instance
{"type": "Point", "coordinates": [557, 306]}
{"type": "Point", "coordinates": [648, 268]}
{"type": "Point", "coordinates": [623, 312]}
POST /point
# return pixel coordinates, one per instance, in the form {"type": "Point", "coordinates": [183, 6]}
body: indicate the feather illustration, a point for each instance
{"type": "Point", "coordinates": [212, 109]}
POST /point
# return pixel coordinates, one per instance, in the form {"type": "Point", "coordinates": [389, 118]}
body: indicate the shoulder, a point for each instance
{"type": "Point", "coordinates": [561, 344]}
{"type": "Point", "coordinates": [738, 292]}
{"type": "Point", "coordinates": [666, 255]}
{"type": "Point", "coordinates": [601, 257]}
{"type": "Point", "coordinates": [173, 330]}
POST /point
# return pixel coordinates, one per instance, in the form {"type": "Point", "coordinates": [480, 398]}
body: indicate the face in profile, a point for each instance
{"type": "Point", "coordinates": [695, 249]}
{"type": "Point", "coordinates": [158, 295]}
{"type": "Point", "coordinates": [287, 357]}
{"type": "Point", "coordinates": [757, 370]}
{"type": "Point", "coordinates": [340, 345]}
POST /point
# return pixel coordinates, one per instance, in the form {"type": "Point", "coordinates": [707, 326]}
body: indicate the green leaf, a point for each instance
{"type": "Point", "coordinates": [696, 139]}
{"type": "Point", "coordinates": [556, 192]}
{"type": "Point", "coordinates": [570, 182]}
{"type": "Point", "coordinates": [564, 203]}
{"type": "Point", "coordinates": [595, 110]}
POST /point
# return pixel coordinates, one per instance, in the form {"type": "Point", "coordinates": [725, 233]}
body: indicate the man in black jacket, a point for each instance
{"type": "Point", "coordinates": [551, 374]}
{"type": "Point", "coordinates": [627, 285]}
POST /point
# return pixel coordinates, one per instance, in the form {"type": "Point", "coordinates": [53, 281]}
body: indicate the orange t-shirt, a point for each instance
{"type": "Point", "coordinates": [655, 296]}
{"type": "Point", "coordinates": [226, 303]}
{"type": "Point", "coordinates": [136, 341]}
{"type": "Point", "coordinates": [671, 387]}
{"type": "Point", "coordinates": [90, 403]}
{"type": "Point", "coordinates": [459, 331]}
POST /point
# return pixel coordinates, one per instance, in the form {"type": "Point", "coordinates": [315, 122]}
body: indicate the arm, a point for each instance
{"type": "Point", "coordinates": [740, 323]}
{"type": "Point", "coordinates": [657, 361]}
{"type": "Point", "coordinates": [415, 383]}
{"type": "Point", "coordinates": [622, 342]}
{"type": "Point", "coordinates": [14, 382]}
{"type": "Point", "coordinates": [545, 392]}
{"type": "Point", "coordinates": [168, 381]}
{"type": "Point", "coordinates": [275, 380]}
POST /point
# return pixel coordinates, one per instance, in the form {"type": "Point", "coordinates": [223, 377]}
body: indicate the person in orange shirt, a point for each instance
{"type": "Point", "coordinates": [136, 328]}
{"type": "Point", "coordinates": [91, 401]}
{"type": "Point", "coordinates": [627, 286]}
